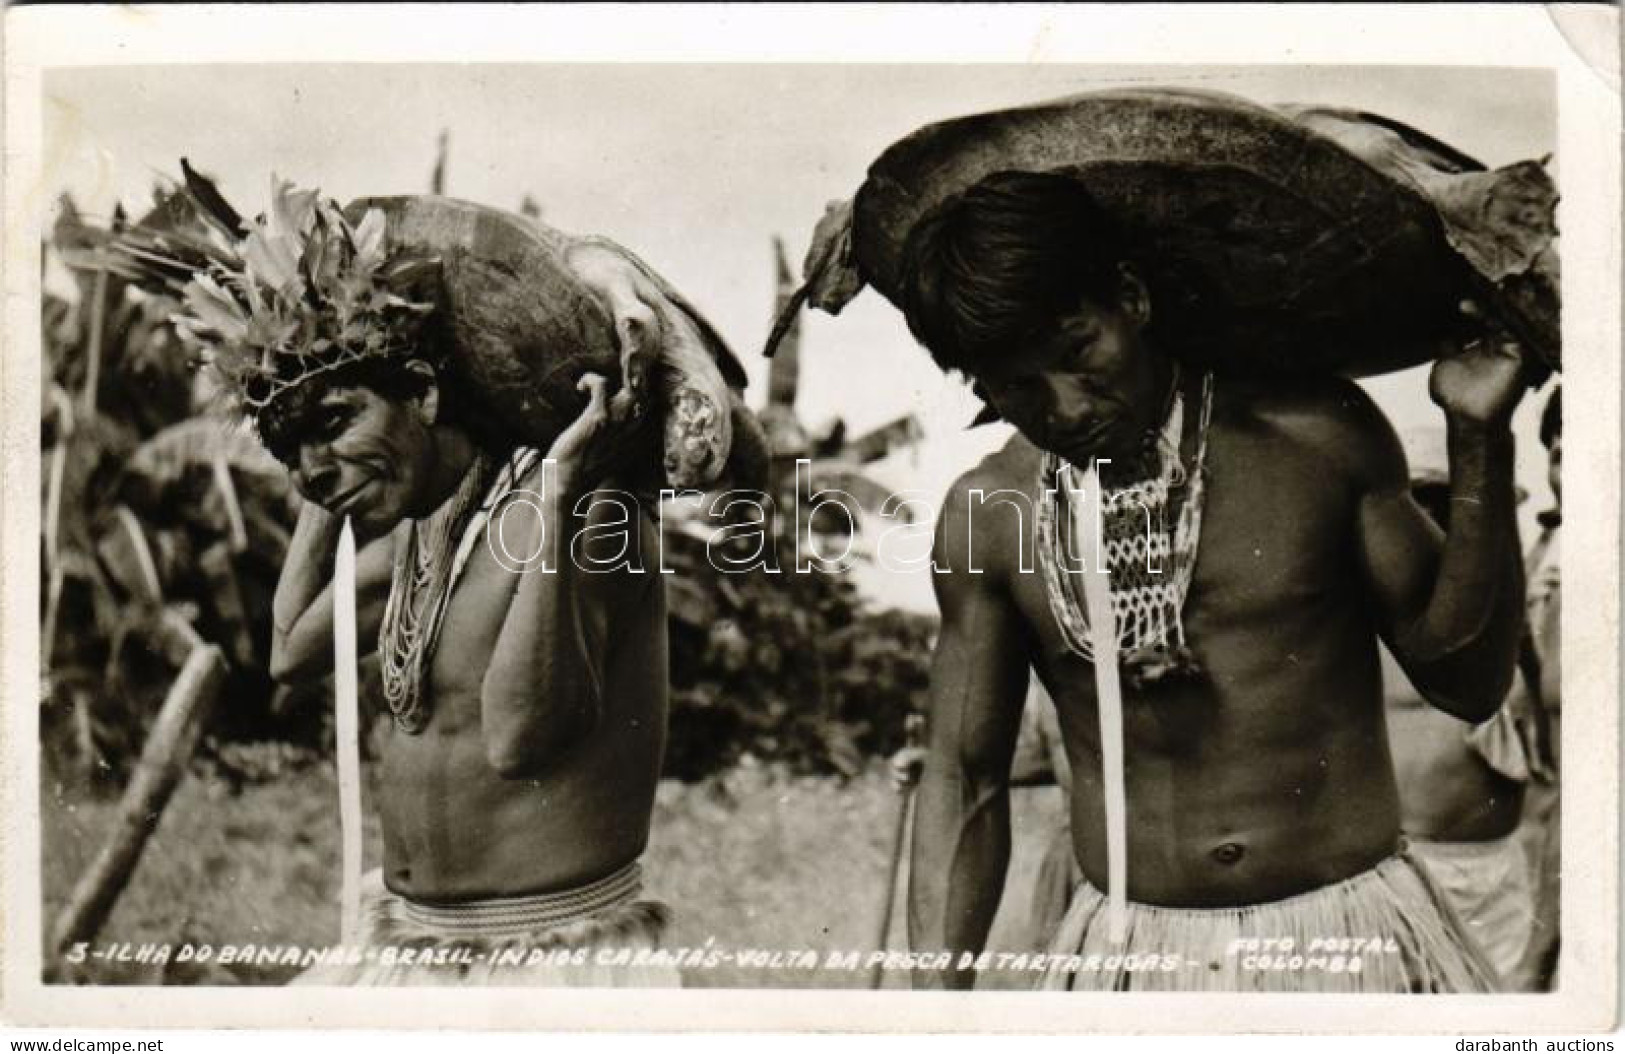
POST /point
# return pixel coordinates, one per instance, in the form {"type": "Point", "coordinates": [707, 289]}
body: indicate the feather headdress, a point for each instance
{"type": "Point", "coordinates": [272, 302]}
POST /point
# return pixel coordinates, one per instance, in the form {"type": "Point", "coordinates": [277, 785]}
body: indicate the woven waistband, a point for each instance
{"type": "Point", "coordinates": [513, 916]}
{"type": "Point", "coordinates": [1372, 876]}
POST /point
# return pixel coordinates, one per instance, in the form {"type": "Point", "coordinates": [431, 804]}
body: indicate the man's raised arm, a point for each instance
{"type": "Point", "coordinates": [543, 690]}
{"type": "Point", "coordinates": [978, 685]}
{"type": "Point", "coordinates": [1454, 613]}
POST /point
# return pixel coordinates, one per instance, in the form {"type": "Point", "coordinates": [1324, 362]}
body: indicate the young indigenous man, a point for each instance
{"type": "Point", "coordinates": [1261, 800]}
{"type": "Point", "coordinates": [1462, 787]}
{"type": "Point", "coordinates": [528, 704]}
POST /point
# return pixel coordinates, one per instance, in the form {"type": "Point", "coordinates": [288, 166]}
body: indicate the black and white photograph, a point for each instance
{"type": "Point", "coordinates": [1040, 524]}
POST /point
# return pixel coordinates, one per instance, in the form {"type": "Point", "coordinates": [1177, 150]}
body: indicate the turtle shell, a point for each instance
{"type": "Point", "coordinates": [1268, 247]}
{"type": "Point", "coordinates": [517, 326]}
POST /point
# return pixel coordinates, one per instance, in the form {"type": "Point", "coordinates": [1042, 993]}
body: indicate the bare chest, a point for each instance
{"type": "Point", "coordinates": [1276, 558]}
{"type": "Point", "coordinates": [460, 649]}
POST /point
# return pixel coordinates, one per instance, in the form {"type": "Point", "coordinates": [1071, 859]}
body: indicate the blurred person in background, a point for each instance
{"type": "Point", "coordinates": [1542, 830]}
{"type": "Point", "coordinates": [1462, 787]}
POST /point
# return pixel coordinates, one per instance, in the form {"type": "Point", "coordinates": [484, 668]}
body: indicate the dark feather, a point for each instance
{"type": "Point", "coordinates": [170, 257]}
{"type": "Point", "coordinates": [111, 262]}
{"type": "Point", "coordinates": [153, 274]}
{"type": "Point", "coordinates": [177, 249]}
{"type": "Point", "coordinates": [786, 319]}
{"type": "Point", "coordinates": [316, 244]}
{"type": "Point", "coordinates": [153, 256]}
{"type": "Point", "coordinates": [212, 204]}
{"type": "Point", "coordinates": [172, 210]}
{"type": "Point", "coordinates": [199, 251]}
{"type": "Point", "coordinates": [987, 414]}
{"type": "Point", "coordinates": [313, 295]}
{"type": "Point", "coordinates": [158, 261]}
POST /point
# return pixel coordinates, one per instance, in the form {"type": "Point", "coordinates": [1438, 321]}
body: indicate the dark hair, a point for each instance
{"type": "Point", "coordinates": [1000, 263]}
{"type": "Point", "coordinates": [289, 418]}
{"type": "Point", "coordinates": [1551, 418]}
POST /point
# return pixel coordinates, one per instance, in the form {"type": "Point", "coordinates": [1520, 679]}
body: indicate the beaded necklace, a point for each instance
{"type": "Point", "coordinates": [1149, 566]}
{"type": "Point", "coordinates": [420, 592]}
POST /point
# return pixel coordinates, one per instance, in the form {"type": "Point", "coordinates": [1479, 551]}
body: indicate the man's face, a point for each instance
{"type": "Point", "coordinates": [362, 455]}
{"type": "Point", "coordinates": [1093, 388]}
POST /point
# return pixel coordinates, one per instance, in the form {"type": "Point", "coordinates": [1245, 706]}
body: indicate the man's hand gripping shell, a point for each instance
{"type": "Point", "coordinates": [586, 450]}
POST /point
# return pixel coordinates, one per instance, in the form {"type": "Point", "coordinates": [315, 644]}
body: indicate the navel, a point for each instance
{"type": "Point", "coordinates": [1229, 853]}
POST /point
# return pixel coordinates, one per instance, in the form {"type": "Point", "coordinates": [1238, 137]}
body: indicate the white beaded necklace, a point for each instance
{"type": "Point", "coordinates": [1136, 538]}
{"type": "Point", "coordinates": [420, 592]}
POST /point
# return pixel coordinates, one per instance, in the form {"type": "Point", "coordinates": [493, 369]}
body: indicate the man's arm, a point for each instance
{"type": "Point", "coordinates": [962, 814]}
{"type": "Point", "coordinates": [543, 691]}
{"type": "Point", "coordinates": [1452, 611]}
{"type": "Point", "coordinates": [302, 609]}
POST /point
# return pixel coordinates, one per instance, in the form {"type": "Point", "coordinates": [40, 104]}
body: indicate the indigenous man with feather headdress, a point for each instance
{"type": "Point", "coordinates": [528, 706]}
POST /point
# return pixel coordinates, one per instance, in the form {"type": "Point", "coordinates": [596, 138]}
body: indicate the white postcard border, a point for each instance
{"type": "Point", "coordinates": [1466, 35]}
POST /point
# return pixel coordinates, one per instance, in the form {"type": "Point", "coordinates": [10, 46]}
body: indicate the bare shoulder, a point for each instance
{"type": "Point", "coordinates": [534, 477]}
{"type": "Point", "coordinates": [988, 507]}
{"type": "Point", "coordinates": [1332, 419]}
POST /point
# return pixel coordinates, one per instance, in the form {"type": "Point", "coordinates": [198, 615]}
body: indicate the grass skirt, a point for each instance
{"type": "Point", "coordinates": [1388, 929]}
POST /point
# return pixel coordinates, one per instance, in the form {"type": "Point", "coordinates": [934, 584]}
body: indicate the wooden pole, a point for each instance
{"type": "Point", "coordinates": [913, 726]}
{"type": "Point", "coordinates": [98, 327]}
{"type": "Point", "coordinates": [163, 761]}
{"type": "Point", "coordinates": [899, 836]}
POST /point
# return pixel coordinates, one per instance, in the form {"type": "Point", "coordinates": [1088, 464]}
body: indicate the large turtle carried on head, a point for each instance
{"type": "Point", "coordinates": [1275, 241]}
{"type": "Point", "coordinates": [512, 312]}
{"type": "Point", "coordinates": [526, 310]}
